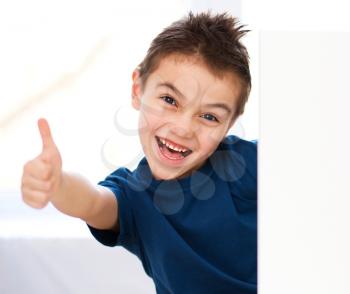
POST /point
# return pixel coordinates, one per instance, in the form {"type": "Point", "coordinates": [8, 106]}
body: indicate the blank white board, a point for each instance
{"type": "Point", "coordinates": [304, 161]}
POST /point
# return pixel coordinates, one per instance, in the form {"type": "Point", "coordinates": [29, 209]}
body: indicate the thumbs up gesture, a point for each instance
{"type": "Point", "coordinates": [42, 176]}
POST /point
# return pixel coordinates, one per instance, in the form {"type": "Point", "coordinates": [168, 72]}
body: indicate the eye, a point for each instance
{"type": "Point", "coordinates": [210, 117]}
{"type": "Point", "coordinates": [169, 100]}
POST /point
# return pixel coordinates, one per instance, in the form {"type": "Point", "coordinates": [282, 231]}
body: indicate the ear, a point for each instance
{"type": "Point", "coordinates": [136, 89]}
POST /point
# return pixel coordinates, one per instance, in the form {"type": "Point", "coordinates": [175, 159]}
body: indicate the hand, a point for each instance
{"type": "Point", "coordinates": [42, 176]}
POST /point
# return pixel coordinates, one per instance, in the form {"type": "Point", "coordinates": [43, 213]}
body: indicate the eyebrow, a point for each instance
{"type": "Point", "coordinates": [178, 93]}
{"type": "Point", "coordinates": [219, 105]}
{"type": "Point", "coordinates": [173, 88]}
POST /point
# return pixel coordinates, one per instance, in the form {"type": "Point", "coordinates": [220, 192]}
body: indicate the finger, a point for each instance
{"type": "Point", "coordinates": [36, 199]}
{"type": "Point", "coordinates": [45, 133]}
{"type": "Point", "coordinates": [35, 184]}
{"type": "Point", "coordinates": [38, 169]}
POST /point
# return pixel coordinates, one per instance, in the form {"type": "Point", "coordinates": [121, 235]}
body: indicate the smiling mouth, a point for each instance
{"type": "Point", "coordinates": [184, 152]}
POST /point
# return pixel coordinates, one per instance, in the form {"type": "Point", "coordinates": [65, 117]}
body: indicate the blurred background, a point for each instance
{"type": "Point", "coordinates": [71, 62]}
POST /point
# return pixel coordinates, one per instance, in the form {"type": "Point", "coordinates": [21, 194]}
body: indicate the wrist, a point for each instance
{"type": "Point", "coordinates": [59, 187]}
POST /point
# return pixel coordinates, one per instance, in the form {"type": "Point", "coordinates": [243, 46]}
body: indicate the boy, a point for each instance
{"type": "Point", "coordinates": [188, 211]}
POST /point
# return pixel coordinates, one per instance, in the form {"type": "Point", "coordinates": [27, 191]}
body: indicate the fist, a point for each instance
{"type": "Point", "coordinates": [42, 175]}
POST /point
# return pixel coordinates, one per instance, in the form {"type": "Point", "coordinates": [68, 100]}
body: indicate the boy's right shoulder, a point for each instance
{"type": "Point", "coordinates": [119, 176]}
{"type": "Point", "coordinates": [135, 181]}
{"type": "Point", "coordinates": [237, 143]}
{"type": "Point", "coordinates": [248, 149]}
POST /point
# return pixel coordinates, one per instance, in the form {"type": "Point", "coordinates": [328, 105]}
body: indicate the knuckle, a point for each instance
{"type": "Point", "coordinates": [42, 196]}
{"type": "Point", "coordinates": [26, 167]}
{"type": "Point", "coordinates": [48, 186]}
{"type": "Point", "coordinates": [46, 173]}
{"type": "Point", "coordinates": [41, 200]}
{"type": "Point", "coordinates": [24, 194]}
{"type": "Point", "coordinates": [23, 179]}
{"type": "Point", "coordinates": [34, 198]}
{"type": "Point", "coordinates": [46, 156]}
{"type": "Point", "coordinates": [23, 185]}
{"type": "Point", "coordinates": [40, 205]}
{"type": "Point", "coordinates": [35, 204]}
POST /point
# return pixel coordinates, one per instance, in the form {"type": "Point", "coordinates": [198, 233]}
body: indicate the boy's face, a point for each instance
{"type": "Point", "coordinates": [182, 106]}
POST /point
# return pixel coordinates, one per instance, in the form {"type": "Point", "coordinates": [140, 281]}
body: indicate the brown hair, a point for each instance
{"type": "Point", "coordinates": [214, 38]}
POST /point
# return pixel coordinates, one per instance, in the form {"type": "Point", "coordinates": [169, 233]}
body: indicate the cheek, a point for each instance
{"type": "Point", "coordinates": [151, 106]}
{"type": "Point", "coordinates": [148, 122]}
{"type": "Point", "coordinates": [208, 146]}
{"type": "Point", "coordinates": [210, 138]}
{"type": "Point", "coordinates": [143, 123]}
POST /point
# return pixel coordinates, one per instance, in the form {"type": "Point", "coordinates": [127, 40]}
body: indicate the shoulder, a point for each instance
{"type": "Point", "coordinates": [235, 158]}
{"type": "Point", "coordinates": [237, 142]}
{"type": "Point", "coordinates": [235, 164]}
{"type": "Point", "coordinates": [127, 181]}
{"type": "Point", "coordinates": [246, 148]}
{"type": "Point", "coordinates": [117, 179]}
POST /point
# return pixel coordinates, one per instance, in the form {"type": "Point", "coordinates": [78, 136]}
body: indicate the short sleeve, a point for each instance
{"type": "Point", "coordinates": [116, 182]}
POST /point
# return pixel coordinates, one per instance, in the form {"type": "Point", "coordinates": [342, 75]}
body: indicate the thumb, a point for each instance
{"type": "Point", "coordinates": [45, 134]}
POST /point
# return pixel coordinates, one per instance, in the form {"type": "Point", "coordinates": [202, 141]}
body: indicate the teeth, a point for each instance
{"type": "Point", "coordinates": [171, 146]}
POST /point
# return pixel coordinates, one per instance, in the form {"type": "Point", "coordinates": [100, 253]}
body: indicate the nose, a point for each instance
{"type": "Point", "coordinates": [183, 126]}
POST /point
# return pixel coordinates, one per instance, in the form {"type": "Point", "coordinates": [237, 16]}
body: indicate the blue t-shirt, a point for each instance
{"type": "Point", "coordinates": [197, 234]}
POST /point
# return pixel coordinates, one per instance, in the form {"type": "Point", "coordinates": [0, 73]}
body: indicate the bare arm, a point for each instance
{"type": "Point", "coordinates": [43, 181]}
{"type": "Point", "coordinates": [94, 204]}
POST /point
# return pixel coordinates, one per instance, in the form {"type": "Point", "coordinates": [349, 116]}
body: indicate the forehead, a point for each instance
{"type": "Point", "coordinates": [193, 78]}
